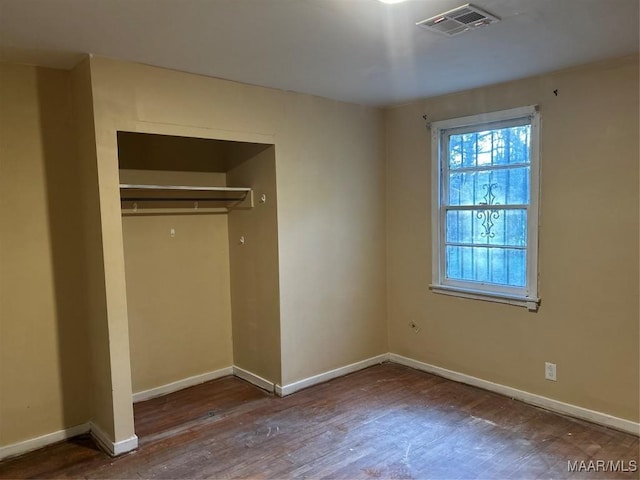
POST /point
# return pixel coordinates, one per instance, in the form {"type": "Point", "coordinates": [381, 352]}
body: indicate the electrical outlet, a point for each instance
{"type": "Point", "coordinates": [550, 371]}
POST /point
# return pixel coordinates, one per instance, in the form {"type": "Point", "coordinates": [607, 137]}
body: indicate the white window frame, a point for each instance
{"type": "Point", "coordinates": [527, 296]}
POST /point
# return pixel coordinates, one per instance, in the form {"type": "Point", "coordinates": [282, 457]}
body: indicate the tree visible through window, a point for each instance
{"type": "Point", "coordinates": [487, 204]}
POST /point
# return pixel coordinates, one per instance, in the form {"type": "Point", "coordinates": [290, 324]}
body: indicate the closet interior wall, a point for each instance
{"type": "Point", "coordinates": [255, 291]}
{"type": "Point", "coordinates": [182, 267]}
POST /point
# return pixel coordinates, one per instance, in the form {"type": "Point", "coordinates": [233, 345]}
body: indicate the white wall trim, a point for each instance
{"type": "Point", "coordinates": [112, 448]}
{"type": "Point", "coordinates": [26, 446]}
{"type": "Point", "coordinates": [253, 378]}
{"type": "Point", "coordinates": [124, 446]}
{"type": "Point", "coordinates": [181, 384]}
{"type": "Point", "coordinates": [531, 398]}
{"type": "Point", "coordinates": [284, 390]}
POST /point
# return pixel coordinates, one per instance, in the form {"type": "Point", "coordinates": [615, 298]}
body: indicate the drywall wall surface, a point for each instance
{"type": "Point", "coordinates": [94, 294]}
{"type": "Point", "coordinates": [331, 201]}
{"type": "Point", "coordinates": [178, 298]}
{"type": "Point", "coordinates": [588, 259]}
{"type": "Point", "coordinates": [112, 366]}
{"type": "Point", "coordinates": [44, 355]}
{"type": "Point", "coordinates": [168, 152]}
{"type": "Point", "coordinates": [330, 177]}
{"type": "Point", "coordinates": [253, 245]}
{"type": "Point", "coordinates": [165, 177]}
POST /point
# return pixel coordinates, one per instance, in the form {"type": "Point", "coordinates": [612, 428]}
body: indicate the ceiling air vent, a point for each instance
{"type": "Point", "coordinates": [461, 19]}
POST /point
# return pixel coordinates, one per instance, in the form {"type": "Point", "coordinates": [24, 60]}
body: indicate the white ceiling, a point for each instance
{"type": "Point", "coordinates": [359, 51]}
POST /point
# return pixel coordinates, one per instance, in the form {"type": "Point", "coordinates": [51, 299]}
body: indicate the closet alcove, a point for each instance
{"type": "Point", "coordinates": [199, 223]}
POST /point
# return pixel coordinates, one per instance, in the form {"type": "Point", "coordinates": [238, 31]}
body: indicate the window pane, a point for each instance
{"type": "Point", "coordinates": [500, 152]}
{"type": "Point", "coordinates": [516, 186]}
{"type": "Point", "coordinates": [503, 146]}
{"type": "Point", "coordinates": [497, 265]}
{"type": "Point", "coordinates": [459, 226]}
{"type": "Point", "coordinates": [517, 267]}
{"type": "Point", "coordinates": [484, 148]}
{"type": "Point", "coordinates": [462, 150]}
{"type": "Point", "coordinates": [469, 142]}
{"type": "Point", "coordinates": [489, 187]}
{"type": "Point", "coordinates": [466, 188]}
{"type": "Point", "coordinates": [487, 227]}
{"type": "Point", "coordinates": [455, 151]}
{"type": "Point", "coordinates": [511, 145]}
{"type": "Point", "coordinates": [515, 228]}
{"type": "Point", "coordinates": [518, 141]}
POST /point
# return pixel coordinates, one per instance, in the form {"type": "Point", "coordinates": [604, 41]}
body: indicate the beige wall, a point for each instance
{"type": "Point", "coordinates": [166, 152]}
{"type": "Point", "coordinates": [178, 297]}
{"type": "Point", "coordinates": [93, 274]}
{"type": "Point", "coordinates": [331, 197]}
{"type": "Point", "coordinates": [588, 321]}
{"type": "Point", "coordinates": [254, 269]}
{"type": "Point", "coordinates": [44, 352]}
{"type": "Point", "coordinates": [330, 170]}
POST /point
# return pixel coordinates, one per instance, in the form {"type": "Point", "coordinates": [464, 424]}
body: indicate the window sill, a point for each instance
{"type": "Point", "coordinates": [519, 301]}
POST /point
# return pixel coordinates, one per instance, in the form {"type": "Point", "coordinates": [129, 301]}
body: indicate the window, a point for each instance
{"type": "Point", "coordinates": [485, 206]}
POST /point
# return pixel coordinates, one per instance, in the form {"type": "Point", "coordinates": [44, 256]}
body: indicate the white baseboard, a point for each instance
{"type": "Point", "coordinates": [113, 448]}
{"type": "Point", "coordinates": [284, 390]}
{"type": "Point", "coordinates": [42, 441]}
{"type": "Point", "coordinates": [181, 384]}
{"type": "Point", "coordinates": [253, 378]}
{"type": "Point", "coordinates": [531, 398]}
{"type": "Point", "coordinates": [123, 446]}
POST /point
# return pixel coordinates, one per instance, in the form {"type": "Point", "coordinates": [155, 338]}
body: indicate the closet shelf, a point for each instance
{"type": "Point", "coordinates": [223, 196]}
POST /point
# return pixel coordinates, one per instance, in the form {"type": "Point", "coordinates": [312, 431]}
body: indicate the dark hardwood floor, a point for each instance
{"type": "Point", "coordinates": [387, 421]}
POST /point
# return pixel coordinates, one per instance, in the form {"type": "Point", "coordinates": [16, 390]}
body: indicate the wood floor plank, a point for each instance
{"type": "Point", "coordinates": [387, 421]}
